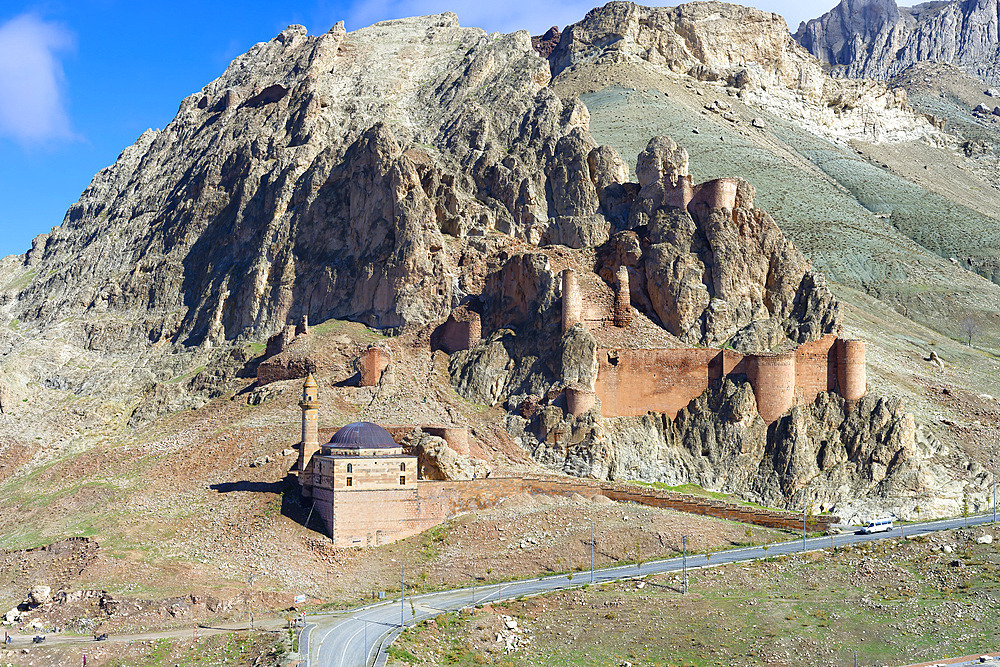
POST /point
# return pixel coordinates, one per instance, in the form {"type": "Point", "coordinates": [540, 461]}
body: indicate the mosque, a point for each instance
{"type": "Point", "coordinates": [366, 488]}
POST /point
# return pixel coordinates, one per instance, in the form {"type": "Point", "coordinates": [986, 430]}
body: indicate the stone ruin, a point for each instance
{"type": "Point", "coordinates": [634, 381]}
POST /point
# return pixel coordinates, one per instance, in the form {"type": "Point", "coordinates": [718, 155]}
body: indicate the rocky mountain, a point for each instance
{"type": "Point", "coordinates": [376, 182]}
{"type": "Point", "coordinates": [876, 39]}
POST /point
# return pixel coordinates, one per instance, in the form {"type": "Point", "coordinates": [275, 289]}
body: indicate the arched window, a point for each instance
{"type": "Point", "coordinates": [402, 467]}
{"type": "Point", "coordinates": [350, 468]}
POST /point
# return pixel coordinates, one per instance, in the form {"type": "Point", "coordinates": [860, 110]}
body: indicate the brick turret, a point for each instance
{"type": "Point", "coordinates": [851, 378]}
{"type": "Point", "coordinates": [622, 315]}
{"type": "Point", "coordinates": [572, 302]}
{"type": "Point", "coordinates": [371, 364]}
{"type": "Point", "coordinates": [310, 433]}
{"type": "Point", "coordinates": [773, 379]}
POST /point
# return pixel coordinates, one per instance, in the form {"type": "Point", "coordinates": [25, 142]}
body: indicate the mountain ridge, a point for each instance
{"type": "Point", "coordinates": [876, 39]}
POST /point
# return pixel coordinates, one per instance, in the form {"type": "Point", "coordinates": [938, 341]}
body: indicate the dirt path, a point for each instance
{"type": "Point", "coordinates": [269, 624]}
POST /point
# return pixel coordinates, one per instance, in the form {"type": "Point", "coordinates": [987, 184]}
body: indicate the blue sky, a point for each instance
{"type": "Point", "coordinates": [80, 81]}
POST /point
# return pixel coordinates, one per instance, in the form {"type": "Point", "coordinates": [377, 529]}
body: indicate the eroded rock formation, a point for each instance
{"type": "Point", "coordinates": [748, 49]}
{"type": "Point", "coordinates": [876, 39]}
{"type": "Point", "coordinates": [415, 175]}
{"type": "Point", "coordinates": [851, 462]}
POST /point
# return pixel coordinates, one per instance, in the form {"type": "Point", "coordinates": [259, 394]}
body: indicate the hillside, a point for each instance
{"type": "Point", "coordinates": [378, 181]}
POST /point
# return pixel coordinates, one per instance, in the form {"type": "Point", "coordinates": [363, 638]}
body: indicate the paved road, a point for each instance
{"type": "Point", "coordinates": [354, 639]}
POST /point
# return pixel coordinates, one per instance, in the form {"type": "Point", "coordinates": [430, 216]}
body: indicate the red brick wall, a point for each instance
{"type": "Point", "coordinates": [773, 380]}
{"type": "Point", "coordinates": [720, 193]}
{"type": "Point", "coordinates": [632, 382]}
{"type": "Point", "coordinates": [461, 331]}
{"type": "Point", "coordinates": [363, 518]}
{"type": "Point", "coordinates": [638, 381]}
{"type": "Point", "coordinates": [372, 362]}
{"type": "Point", "coordinates": [851, 369]}
{"type": "Point", "coordinates": [816, 367]}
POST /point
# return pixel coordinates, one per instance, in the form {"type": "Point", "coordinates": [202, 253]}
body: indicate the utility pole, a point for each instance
{"type": "Point", "coordinates": [993, 469]}
{"type": "Point", "coordinates": [803, 521]}
{"type": "Point", "coordinates": [366, 642]}
{"type": "Point", "coordinates": [592, 549]}
{"type": "Point", "coordinates": [473, 581]}
{"type": "Point", "coordinates": [685, 541]}
{"type": "Point", "coordinates": [402, 593]}
{"type": "Point", "coordinates": [250, 603]}
{"type": "Point", "coordinates": [855, 658]}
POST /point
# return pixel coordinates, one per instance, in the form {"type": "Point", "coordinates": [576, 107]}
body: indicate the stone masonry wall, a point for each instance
{"type": "Point", "coordinates": [370, 518]}
{"type": "Point", "coordinates": [632, 382]}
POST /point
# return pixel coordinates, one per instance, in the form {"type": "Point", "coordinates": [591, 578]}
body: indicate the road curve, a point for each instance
{"type": "Point", "coordinates": [358, 637]}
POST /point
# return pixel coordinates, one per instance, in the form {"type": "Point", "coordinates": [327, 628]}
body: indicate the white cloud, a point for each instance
{"type": "Point", "coordinates": [32, 100]}
{"type": "Point", "coordinates": [536, 17]}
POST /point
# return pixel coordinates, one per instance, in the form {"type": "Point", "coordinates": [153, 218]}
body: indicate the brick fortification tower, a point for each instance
{"type": "Point", "coordinates": [572, 302]}
{"type": "Point", "coordinates": [310, 433]}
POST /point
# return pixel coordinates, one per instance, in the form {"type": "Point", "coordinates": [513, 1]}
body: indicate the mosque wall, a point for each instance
{"type": "Point", "coordinates": [376, 517]}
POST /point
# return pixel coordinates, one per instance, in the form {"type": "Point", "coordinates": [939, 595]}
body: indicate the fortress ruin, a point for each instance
{"type": "Point", "coordinates": [634, 381]}
{"type": "Point", "coordinates": [367, 488]}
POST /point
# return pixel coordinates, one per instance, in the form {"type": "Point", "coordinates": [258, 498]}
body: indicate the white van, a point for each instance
{"type": "Point", "coordinates": [877, 526]}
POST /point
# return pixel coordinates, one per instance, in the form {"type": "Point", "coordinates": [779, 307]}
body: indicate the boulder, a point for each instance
{"type": "Point", "coordinates": [39, 594]}
{"type": "Point", "coordinates": [439, 461]}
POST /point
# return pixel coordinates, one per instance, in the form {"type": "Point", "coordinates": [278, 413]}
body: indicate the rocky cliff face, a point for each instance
{"type": "Point", "coordinates": [750, 51]}
{"type": "Point", "coordinates": [851, 461]}
{"type": "Point", "coordinates": [875, 39]}
{"type": "Point", "coordinates": [389, 175]}
{"type": "Point", "coordinates": [317, 176]}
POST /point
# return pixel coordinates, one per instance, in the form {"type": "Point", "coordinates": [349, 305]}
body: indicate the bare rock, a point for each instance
{"type": "Point", "coordinates": [547, 42]}
{"type": "Point", "coordinates": [439, 461]}
{"type": "Point", "coordinates": [875, 39]}
{"type": "Point", "coordinates": [660, 168]}
{"type": "Point", "coordinates": [39, 594]}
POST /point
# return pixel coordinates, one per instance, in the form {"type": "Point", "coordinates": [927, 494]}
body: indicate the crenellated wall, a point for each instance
{"type": "Point", "coordinates": [632, 382]}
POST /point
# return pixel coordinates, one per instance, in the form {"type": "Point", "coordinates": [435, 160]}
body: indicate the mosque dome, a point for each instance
{"type": "Point", "coordinates": [361, 435]}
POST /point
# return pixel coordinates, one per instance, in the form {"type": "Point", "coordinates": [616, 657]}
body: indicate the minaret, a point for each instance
{"type": "Point", "coordinates": [310, 432]}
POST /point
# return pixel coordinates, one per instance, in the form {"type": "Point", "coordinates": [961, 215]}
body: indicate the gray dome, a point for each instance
{"type": "Point", "coordinates": [361, 435]}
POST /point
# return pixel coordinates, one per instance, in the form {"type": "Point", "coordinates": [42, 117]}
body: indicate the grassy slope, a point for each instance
{"type": "Point", "coordinates": [894, 602]}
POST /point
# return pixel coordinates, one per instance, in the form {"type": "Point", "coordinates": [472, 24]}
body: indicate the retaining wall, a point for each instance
{"type": "Point", "coordinates": [369, 518]}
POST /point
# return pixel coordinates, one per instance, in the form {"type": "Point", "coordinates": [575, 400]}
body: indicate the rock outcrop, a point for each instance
{"type": "Point", "coordinates": [415, 173]}
{"type": "Point", "coordinates": [437, 460]}
{"type": "Point", "coordinates": [751, 51]}
{"type": "Point", "coordinates": [876, 39]}
{"type": "Point", "coordinates": [851, 462]}
{"type": "Point", "coordinates": [313, 178]}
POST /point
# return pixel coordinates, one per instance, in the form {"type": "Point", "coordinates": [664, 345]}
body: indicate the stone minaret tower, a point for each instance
{"type": "Point", "coordinates": [310, 432]}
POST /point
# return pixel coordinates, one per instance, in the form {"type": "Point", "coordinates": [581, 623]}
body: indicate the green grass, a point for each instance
{"type": "Point", "coordinates": [20, 283]}
{"type": "Point", "coordinates": [396, 653]}
{"type": "Point", "coordinates": [799, 610]}
{"type": "Point", "coordinates": [695, 490]}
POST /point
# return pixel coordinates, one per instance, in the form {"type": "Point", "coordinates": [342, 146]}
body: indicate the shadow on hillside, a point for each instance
{"type": "Point", "coordinates": [293, 506]}
{"type": "Point", "coordinates": [254, 487]}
